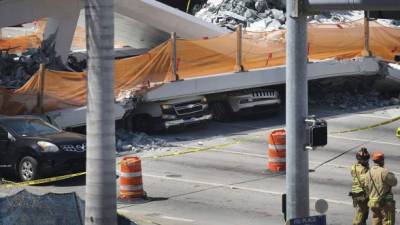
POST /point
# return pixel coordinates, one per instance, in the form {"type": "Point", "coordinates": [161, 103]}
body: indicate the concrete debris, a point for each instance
{"type": "Point", "coordinates": [129, 99]}
{"type": "Point", "coordinates": [134, 142]}
{"type": "Point", "coordinates": [77, 61]}
{"type": "Point", "coordinates": [389, 23]}
{"type": "Point", "coordinates": [230, 13]}
{"type": "Point", "coordinates": [336, 17]}
{"type": "Point", "coordinates": [16, 70]}
{"type": "Point", "coordinates": [349, 94]}
{"type": "Point", "coordinates": [261, 6]}
{"type": "Point", "coordinates": [268, 15]}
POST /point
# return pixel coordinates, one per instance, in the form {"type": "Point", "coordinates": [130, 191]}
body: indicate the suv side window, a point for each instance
{"type": "Point", "coordinates": [3, 134]}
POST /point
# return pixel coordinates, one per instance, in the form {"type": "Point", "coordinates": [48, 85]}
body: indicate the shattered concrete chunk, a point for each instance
{"type": "Point", "coordinates": [261, 5]}
{"type": "Point", "coordinates": [349, 94]}
{"type": "Point", "coordinates": [135, 142]}
{"type": "Point", "coordinates": [242, 10]}
{"type": "Point", "coordinates": [250, 13]}
{"type": "Point", "coordinates": [233, 15]}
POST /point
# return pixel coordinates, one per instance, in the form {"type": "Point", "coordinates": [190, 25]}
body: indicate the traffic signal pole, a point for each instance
{"type": "Point", "coordinates": [297, 181]}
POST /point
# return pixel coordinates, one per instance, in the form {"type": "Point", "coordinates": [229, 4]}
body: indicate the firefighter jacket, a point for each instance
{"type": "Point", "coordinates": [379, 182]}
{"type": "Point", "coordinates": [358, 172]}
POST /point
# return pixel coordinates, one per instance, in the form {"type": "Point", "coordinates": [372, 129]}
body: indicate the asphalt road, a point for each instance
{"type": "Point", "coordinates": [226, 182]}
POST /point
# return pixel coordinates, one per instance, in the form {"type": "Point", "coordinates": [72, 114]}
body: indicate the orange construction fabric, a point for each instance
{"type": "Point", "coordinates": [204, 57]}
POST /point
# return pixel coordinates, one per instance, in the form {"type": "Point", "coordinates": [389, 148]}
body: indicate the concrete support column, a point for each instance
{"type": "Point", "coordinates": [63, 18]}
{"type": "Point", "coordinates": [64, 29]}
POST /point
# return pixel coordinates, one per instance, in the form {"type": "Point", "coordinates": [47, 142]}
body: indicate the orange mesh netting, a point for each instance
{"type": "Point", "coordinates": [205, 57]}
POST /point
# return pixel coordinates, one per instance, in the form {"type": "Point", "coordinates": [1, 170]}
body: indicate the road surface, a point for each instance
{"type": "Point", "coordinates": [220, 177]}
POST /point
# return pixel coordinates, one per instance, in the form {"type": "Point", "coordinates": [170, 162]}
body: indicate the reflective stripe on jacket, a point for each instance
{"type": "Point", "coordinates": [358, 172]}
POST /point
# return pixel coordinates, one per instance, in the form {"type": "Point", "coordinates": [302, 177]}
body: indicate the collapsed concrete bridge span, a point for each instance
{"type": "Point", "coordinates": [63, 16]}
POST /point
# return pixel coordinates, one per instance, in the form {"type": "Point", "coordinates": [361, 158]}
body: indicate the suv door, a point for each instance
{"type": "Point", "coordinates": [4, 144]}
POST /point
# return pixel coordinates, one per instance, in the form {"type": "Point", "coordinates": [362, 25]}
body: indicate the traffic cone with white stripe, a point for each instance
{"type": "Point", "coordinates": [277, 151]}
{"type": "Point", "coordinates": [130, 179]}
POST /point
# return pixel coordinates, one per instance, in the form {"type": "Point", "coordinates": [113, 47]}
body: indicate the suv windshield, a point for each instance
{"type": "Point", "coordinates": [30, 127]}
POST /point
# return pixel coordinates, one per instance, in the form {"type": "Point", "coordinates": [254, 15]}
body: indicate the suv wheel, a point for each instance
{"type": "Point", "coordinates": [142, 123]}
{"type": "Point", "coordinates": [221, 111]}
{"type": "Point", "coordinates": [28, 170]}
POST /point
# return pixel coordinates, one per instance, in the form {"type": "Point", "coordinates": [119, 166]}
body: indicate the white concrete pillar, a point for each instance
{"type": "Point", "coordinates": [65, 13]}
{"type": "Point", "coordinates": [64, 28]}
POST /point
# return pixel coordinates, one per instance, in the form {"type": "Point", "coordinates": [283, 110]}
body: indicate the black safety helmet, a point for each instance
{"type": "Point", "coordinates": [362, 154]}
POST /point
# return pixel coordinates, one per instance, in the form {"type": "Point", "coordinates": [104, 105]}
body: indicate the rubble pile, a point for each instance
{"type": "Point", "coordinates": [16, 70]}
{"type": "Point", "coordinates": [349, 94]}
{"type": "Point", "coordinates": [267, 15]}
{"type": "Point", "coordinates": [128, 141]}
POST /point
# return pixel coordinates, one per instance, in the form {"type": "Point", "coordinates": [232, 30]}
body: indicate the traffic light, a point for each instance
{"type": "Point", "coordinates": [394, 15]}
{"type": "Point", "coordinates": [316, 132]}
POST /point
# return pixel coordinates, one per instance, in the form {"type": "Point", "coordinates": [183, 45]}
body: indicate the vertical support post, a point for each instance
{"type": "Point", "coordinates": [188, 6]}
{"type": "Point", "coordinates": [101, 193]}
{"type": "Point", "coordinates": [238, 65]}
{"type": "Point", "coordinates": [297, 178]}
{"type": "Point", "coordinates": [174, 59]}
{"type": "Point", "coordinates": [42, 71]}
{"type": "Point", "coordinates": [366, 52]}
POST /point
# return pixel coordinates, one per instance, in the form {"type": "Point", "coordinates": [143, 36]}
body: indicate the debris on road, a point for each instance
{"type": "Point", "coordinates": [136, 142]}
{"type": "Point", "coordinates": [349, 94]}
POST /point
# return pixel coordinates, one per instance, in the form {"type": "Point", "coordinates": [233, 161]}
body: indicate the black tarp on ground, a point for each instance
{"type": "Point", "coordinates": [25, 208]}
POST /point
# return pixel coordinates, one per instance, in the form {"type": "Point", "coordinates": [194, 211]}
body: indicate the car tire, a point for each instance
{"type": "Point", "coordinates": [143, 123]}
{"type": "Point", "coordinates": [28, 169]}
{"type": "Point", "coordinates": [221, 112]}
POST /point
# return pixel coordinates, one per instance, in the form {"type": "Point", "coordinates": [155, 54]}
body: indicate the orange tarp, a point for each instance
{"type": "Point", "coordinates": [205, 57]}
{"type": "Point", "coordinates": [20, 44]}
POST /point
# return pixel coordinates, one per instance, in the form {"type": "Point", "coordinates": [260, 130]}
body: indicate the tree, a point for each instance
{"type": "Point", "coordinates": [100, 178]}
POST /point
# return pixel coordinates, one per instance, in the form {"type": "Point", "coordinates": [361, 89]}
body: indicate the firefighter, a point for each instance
{"type": "Point", "coordinates": [379, 182]}
{"type": "Point", "coordinates": [358, 190]}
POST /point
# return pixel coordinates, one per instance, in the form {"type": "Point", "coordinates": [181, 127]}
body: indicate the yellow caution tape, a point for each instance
{"type": "Point", "coordinates": [40, 181]}
{"type": "Point", "coordinates": [10, 184]}
{"type": "Point", "coordinates": [6, 181]}
{"type": "Point", "coordinates": [368, 127]}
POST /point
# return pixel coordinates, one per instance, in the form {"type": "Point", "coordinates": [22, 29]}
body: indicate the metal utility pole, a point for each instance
{"type": "Point", "coordinates": [100, 195]}
{"type": "Point", "coordinates": [297, 187]}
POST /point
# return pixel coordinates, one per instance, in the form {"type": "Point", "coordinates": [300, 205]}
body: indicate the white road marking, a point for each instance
{"type": "Point", "coordinates": [373, 116]}
{"type": "Point", "coordinates": [242, 153]}
{"type": "Point", "coordinates": [275, 193]}
{"type": "Point", "coordinates": [364, 140]}
{"type": "Point", "coordinates": [347, 138]}
{"type": "Point", "coordinates": [177, 219]}
{"type": "Point", "coordinates": [311, 162]}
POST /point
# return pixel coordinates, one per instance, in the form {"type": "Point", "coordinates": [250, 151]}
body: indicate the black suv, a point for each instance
{"type": "Point", "coordinates": [31, 148]}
